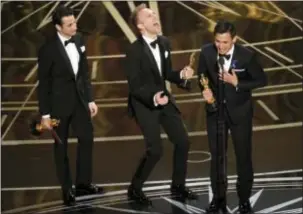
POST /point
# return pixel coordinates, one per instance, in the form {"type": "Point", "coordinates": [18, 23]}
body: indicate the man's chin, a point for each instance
{"type": "Point", "coordinates": [158, 30]}
{"type": "Point", "coordinates": [222, 52]}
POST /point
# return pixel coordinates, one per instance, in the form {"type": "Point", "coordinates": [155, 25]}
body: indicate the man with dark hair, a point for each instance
{"type": "Point", "coordinates": [65, 93]}
{"type": "Point", "coordinates": [148, 65]}
{"type": "Point", "coordinates": [238, 73]}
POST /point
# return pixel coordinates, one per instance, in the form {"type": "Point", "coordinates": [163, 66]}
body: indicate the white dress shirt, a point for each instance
{"type": "Point", "coordinates": [157, 56]}
{"type": "Point", "coordinates": [155, 52]}
{"type": "Point", "coordinates": [72, 53]}
{"type": "Point", "coordinates": [227, 63]}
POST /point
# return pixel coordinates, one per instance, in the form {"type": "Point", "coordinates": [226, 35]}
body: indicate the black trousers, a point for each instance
{"type": "Point", "coordinates": [241, 135]}
{"type": "Point", "coordinates": [149, 123]}
{"type": "Point", "coordinates": [81, 124]}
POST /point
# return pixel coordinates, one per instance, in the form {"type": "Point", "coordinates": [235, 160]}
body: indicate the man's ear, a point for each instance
{"type": "Point", "coordinates": [140, 27]}
{"type": "Point", "coordinates": [235, 39]}
{"type": "Point", "coordinates": [58, 27]}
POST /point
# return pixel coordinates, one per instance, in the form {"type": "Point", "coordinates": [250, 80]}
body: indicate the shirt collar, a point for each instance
{"type": "Point", "coordinates": [62, 38]}
{"type": "Point", "coordinates": [231, 51]}
{"type": "Point", "coordinates": [147, 39]}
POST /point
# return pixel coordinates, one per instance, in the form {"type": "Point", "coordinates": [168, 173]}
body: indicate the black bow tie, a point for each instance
{"type": "Point", "coordinates": [226, 56]}
{"type": "Point", "coordinates": [71, 40]}
{"type": "Point", "coordinates": [154, 43]}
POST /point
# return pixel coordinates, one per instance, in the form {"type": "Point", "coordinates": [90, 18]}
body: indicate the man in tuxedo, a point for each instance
{"type": "Point", "coordinates": [65, 93]}
{"type": "Point", "coordinates": [148, 65]}
{"type": "Point", "coordinates": [239, 74]}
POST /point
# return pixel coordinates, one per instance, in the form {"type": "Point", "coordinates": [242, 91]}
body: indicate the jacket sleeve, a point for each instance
{"type": "Point", "coordinates": [45, 80]}
{"type": "Point", "coordinates": [87, 80]}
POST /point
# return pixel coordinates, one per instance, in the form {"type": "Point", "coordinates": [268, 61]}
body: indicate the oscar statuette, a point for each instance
{"type": "Point", "coordinates": [36, 129]}
{"type": "Point", "coordinates": [212, 102]}
{"type": "Point", "coordinates": [186, 84]}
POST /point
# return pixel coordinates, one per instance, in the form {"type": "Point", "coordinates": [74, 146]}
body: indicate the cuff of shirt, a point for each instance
{"type": "Point", "coordinates": [154, 99]}
{"type": "Point", "coordinates": [46, 116]}
{"type": "Point", "coordinates": [181, 74]}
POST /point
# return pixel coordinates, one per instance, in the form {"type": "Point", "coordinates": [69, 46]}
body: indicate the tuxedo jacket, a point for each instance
{"type": "Point", "coordinates": [59, 88]}
{"type": "Point", "coordinates": [144, 77]}
{"type": "Point", "coordinates": [250, 76]}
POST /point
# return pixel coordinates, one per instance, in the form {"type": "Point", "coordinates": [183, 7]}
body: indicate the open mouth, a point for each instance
{"type": "Point", "coordinates": [156, 24]}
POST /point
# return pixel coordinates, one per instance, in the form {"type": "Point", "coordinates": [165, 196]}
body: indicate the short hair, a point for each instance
{"type": "Point", "coordinates": [225, 27]}
{"type": "Point", "coordinates": [60, 12]}
{"type": "Point", "coordinates": [134, 17]}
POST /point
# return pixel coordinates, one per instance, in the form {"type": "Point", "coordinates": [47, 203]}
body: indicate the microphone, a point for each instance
{"type": "Point", "coordinates": [221, 62]}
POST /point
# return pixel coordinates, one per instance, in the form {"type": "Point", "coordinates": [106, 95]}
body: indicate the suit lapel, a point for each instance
{"type": "Point", "coordinates": [234, 57]}
{"type": "Point", "coordinates": [164, 63]}
{"type": "Point", "coordinates": [62, 51]}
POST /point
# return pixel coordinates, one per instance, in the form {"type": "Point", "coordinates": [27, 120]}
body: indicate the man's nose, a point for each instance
{"type": "Point", "coordinates": [220, 46]}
